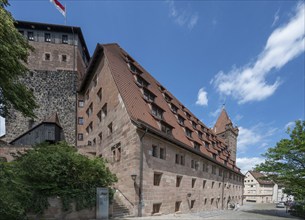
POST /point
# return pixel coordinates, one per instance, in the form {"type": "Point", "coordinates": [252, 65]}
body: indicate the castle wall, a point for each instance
{"type": "Point", "coordinates": [55, 91]}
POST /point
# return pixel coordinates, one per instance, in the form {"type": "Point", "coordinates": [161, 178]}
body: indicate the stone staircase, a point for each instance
{"type": "Point", "coordinates": [120, 206]}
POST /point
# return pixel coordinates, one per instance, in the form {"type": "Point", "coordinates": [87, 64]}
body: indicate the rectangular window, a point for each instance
{"type": "Point", "coordinates": [94, 141]}
{"type": "Point", "coordinates": [99, 115]}
{"type": "Point", "coordinates": [220, 172]}
{"type": "Point", "coordinates": [213, 169]}
{"type": "Point", "coordinates": [167, 97]}
{"type": "Point", "coordinates": [30, 36]}
{"type": "Point", "coordinates": [193, 182]}
{"type": "Point", "coordinates": [174, 108]}
{"type": "Point", "coordinates": [47, 56]}
{"type": "Point", "coordinates": [89, 110]}
{"type": "Point", "coordinates": [104, 110]}
{"type": "Point", "coordinates": [192, 203]}
{"type": "Point", "coordinates": [47, 37]}
{"type": "Point", "coordinates": [100, 137]}
{"type": "Point", "coordinates": [214, 156]}
{"type": "Point", "coordinates": [64, 39]}
{"type": "Point", "coordinates": [80, 136]}
{"type": "Point", "coordinates": [80, 120]}
{"type": "Point", "coordinates": [212, 186]}
{"type": "Point", "coordinates": [141, 82]}
{"type": "Point", "coordinates": [166, 129]}
{"type": "Point", "coordinates": [196, 146]}
{"type": "Point", "coordinates": [157, 112]}
{"type": "Point", "coordinates": [194, 125]}
{"type": "Point", "coordinates": [177, 160]}
{"type": "Point", "coordinates": [182, 160]}
{"type": "Point", "coordinates": [162, 153]}
{"type": "Point", "coordinates": [206, 144]}
{"type": "Point", "coordinates": [154, 151]}
{"type": "Point", "coordinates": [200, 134]}
{"type": "Point", "coordinates": [178, 181]}
{"type": "Point", "coordinates": [177, 206]}
{"type": "Point", "coordinates": [156, 208]}
{"type": "Point", "coordinates": [157, 179]}
{"type": "Point", "coordinates": [148, 96]}
{"type": "Point", "coordinates": [219, 185]}
{"type": "Point", "coordinates": [64, 58]}
{"type": "Point", "coordinates": [99, 94]}
{"type": "Point", "coordinates": [89, 128]}
{"type": "Point", "coordinates": [110, 129]}
{"type": "Point", "coordinates": [192, 164]}
{"type": "Point", "coordinates": [188, 115]}
{"type": "Point", "coordinates": [188, 132]}
{"type": "Point", "coordinates": [180, 120]}
{"type": "Point", "coordinates": [203, 183]}
{"type": "Point", "coordinates": [134, 69]}
{"type": "Point", "coordinates": [196, 165]}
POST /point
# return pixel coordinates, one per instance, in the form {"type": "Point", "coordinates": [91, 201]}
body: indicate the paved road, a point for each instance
{"type": "Point", "coordinates": [249, 211]}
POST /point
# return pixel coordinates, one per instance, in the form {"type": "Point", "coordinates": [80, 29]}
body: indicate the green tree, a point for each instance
{"type": "Point", "coordinates": [285, 163]}
{"type": "Point", "coordinates": [48, 171]}
{"type": "Point", "coordinates": [14, 51]}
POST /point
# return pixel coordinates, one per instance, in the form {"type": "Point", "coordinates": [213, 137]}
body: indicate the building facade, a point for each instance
{"type": "Point", "coordinates": [257, 189]}
{"type": "Point", "coordinates": [56, 67]}
{"type": "Point", "coordinates": [165, 158]}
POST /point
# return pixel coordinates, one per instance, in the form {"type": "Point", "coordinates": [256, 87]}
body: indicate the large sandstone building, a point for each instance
{"type": "Point", "coordinates": [108, 105]}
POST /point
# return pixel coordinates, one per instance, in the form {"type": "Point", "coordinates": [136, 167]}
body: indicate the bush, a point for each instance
{"type": "Point", "coordinates": [47, 171]}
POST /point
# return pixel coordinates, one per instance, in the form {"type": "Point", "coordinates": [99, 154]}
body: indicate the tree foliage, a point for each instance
{"type": "Point", "coordinates": [285, 163]}
{"type": "Point", "coordinates": [14, 50]}
{"type": "Point", "coordinates": [48, 171]}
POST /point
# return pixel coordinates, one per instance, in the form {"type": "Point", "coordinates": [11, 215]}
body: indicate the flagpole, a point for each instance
{"type": "Point", "coordinates": [66, 14]}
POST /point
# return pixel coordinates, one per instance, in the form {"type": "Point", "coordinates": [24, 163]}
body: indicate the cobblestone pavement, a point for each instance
{"type": "Point", "coordinates": [249, 211]}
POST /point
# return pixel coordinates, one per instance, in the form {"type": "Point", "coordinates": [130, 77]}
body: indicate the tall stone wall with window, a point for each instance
{"type": "Point", "coordinates": [55, 92]}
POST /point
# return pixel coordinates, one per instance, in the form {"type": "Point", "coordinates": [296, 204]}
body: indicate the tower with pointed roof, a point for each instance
{"type": "Point", "coordinates": [225, 130]}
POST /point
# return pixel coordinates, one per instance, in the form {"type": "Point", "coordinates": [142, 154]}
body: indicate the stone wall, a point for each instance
{"type": "Point", "coordinates": [55, 91]}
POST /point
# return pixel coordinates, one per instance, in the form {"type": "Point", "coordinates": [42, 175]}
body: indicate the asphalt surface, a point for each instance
{"type": "Point", "coordinates": [249, 211]}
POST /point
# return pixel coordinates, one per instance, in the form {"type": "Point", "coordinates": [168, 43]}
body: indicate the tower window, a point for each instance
{"type": "Point", "coordinates": [178, 181]}
{"type": "Point", "coordinates": [47, 37]}
{"type": "Point", "coordinates": [157, 179]}
{"type": "Point", "coordinates": [64, 39]}
{"type": "Point", "coordinates": [30, 36]}
{"type": "Point", "coordinates": [64, 58]}
{"type": "Point", "coordinates": [47, 56]}
{"type": "Point", "coordinates": [177, 206]}
{"type": "Point", "coordinates": [80, 136]}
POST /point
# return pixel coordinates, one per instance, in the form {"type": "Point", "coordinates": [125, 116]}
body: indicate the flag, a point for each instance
{"type": "Point", "coordinates": [59, 6]}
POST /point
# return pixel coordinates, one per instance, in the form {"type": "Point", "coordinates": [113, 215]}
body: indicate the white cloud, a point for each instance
{"type": "Point", "coordinates": [202, 98]}
{"type": "Point", "coordinates": [248, 83]}
{"type": "Point", "coordinates": [183, 17]}
{"type": "Point", "coordinates": [238, 117]}
{"type": "Point", "coordinates": [2, 126]}
{"type": "Point", "coordinates": [255, 136]}
{"type": "Point", "coordinates": [216, 112]}
{"type": "Point", "coordinates": [248, 163]}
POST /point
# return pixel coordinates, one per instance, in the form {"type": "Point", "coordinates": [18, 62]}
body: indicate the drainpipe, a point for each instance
{"type": "Point", "coordinates": [223, 186]}
{"type": "Point", "coordinates": [140, 205]}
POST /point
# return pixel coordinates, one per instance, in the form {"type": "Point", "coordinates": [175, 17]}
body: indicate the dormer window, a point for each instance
{"type": "Point", "coordinates": [180, 120]}
{"type": "Point", "coordinates": [200, 134]}
{"type": "Point", "coordinates": [167, 97]}
{"type": "Point", "coordinates": [47, 37]}
{"type": "Point", "coordinates": [206, 144]}
{"type": "Point", "coordinates": [148, 96]}
{"type": "Point", "coordinates": [196, 146]}
{"type": "Point", "coordinates": [166, 128]}
{"type": "Point", "coordinates": [194, 125]}
{"type": "Point", "coordinates": [174, 108]}
{"type": "Point", "coordinates": [134, 69]}
{"type": "Point", "coordinates": [157, 112]}
{"type": "Point", "coordinates": [142, 82]}
{"type": "Point", "coordinates": [188, 132]}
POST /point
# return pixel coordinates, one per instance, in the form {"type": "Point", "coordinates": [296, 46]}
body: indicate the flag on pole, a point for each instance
{"type": "Point", "coordinates": [59, 6]}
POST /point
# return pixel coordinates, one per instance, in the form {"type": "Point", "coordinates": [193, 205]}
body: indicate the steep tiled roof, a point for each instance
{"type": "Point", "coordinates": [221, 122]}
{"type": "Point", "coordinates": [261, 178]}
{"type": "Point", "coordinates": [132, 81]}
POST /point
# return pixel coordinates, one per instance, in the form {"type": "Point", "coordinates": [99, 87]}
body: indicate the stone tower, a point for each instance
{"type": "Point", "coordinates": [225, 129]}
{"type": "Point", "coordinates": [56, 65]}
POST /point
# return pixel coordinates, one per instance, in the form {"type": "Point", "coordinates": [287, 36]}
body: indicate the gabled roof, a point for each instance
{"type": "Point", "coordinates": [125, 71]}
{"type": "Point", "coordinates": [261, 178]}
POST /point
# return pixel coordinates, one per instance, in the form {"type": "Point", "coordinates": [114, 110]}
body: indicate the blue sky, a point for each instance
{"type": "Point", "coordinates": [248, 55]}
